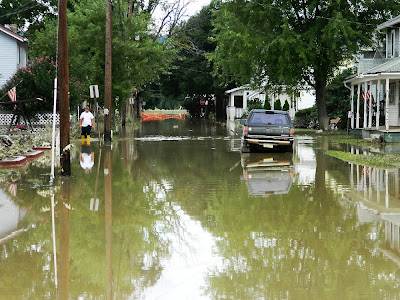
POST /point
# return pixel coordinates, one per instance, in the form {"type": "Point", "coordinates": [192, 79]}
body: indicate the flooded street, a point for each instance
{"type": "Point", "coordinates": [173, 210]}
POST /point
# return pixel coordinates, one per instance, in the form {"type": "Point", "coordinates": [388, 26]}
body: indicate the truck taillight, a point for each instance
{"type": "Point", "coordinates": [246, 129]}
{"type": "Point", "coordinates": [291, 132]}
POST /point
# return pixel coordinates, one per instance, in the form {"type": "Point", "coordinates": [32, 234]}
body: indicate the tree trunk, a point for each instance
{"type": "Point", "coordinates": [320, 88]}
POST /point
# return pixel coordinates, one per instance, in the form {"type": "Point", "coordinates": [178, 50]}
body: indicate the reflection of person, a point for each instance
{"type": "Point", "coordinates": [86, 158]}
{"type": "Point", "coordinates": [86, 122]}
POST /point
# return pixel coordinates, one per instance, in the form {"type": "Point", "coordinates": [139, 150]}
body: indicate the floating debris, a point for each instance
{"type": "Point", "coordinates": [162, 138]}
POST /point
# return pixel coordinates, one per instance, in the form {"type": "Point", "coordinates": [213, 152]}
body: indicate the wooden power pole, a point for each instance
{"type": "Point", "coordinates": [63, 83]}
{"type": "Point", "coordinates": [108, 75]}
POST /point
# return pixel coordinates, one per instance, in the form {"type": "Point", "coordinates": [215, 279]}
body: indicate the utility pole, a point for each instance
{"type": "Point", "coordinates": [63, 83]}
{"type": "Point", "coordinates": [108, 76]}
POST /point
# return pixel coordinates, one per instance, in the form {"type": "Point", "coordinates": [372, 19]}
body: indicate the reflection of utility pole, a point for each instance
{"type": "Point", "coordinates": [108, 76]}
{"type": "Point", "coordinates": [94, 202]}
{"type": "Point", "coordinates": [64, 238]}
{"type": "Point", "coordinates": [108, 217]}
{"type": "Point", "coordinates": [63, 83]}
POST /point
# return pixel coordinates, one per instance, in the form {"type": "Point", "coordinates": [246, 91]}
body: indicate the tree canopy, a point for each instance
{"type": "Point", "coordinates": [137, 58]}
{"type": "Point", "coordinates": [26, 12]}
{"type": "Point", "coordinates": [293, 42]}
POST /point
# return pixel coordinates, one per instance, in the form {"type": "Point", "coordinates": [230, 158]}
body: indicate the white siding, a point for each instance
{"type": "Point", "coordinates": [8, 58]}
{"type": "Point", "coordinates": [393, 115]}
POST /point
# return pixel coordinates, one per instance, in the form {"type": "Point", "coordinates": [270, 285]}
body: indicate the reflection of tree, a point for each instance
{"type": "Point", "coordinates": [137, 247]}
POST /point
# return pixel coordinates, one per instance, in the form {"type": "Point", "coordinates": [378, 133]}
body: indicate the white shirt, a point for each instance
{"type": "Point", "coordinates": [86, 118]}
{"type": "Point", "coordinates": [86, 162]}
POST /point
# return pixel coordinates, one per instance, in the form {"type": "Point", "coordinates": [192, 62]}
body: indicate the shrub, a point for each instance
{"type": "Point", "coordinates": [36, 80]}
{"type": "Point", "coordinates": [286, 106]}
{"type": "Point", "coordinates": [254, 104]}
{"type": "Point", "coordinates": [267, 105]}
{"type": "Point", "coordinates": [306, 118]}
{"type": "Point", "coordinates": [278, 105]}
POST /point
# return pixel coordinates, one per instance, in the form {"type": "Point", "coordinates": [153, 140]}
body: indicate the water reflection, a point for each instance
{"type": "Point", "coordinates": [177, 219]}
{"type": "Point", "coordinates": [268, 173]}
{"type": "Point", "coordinates": [376, 191]}
{"type": "Point", "coordinates": [86, 157]}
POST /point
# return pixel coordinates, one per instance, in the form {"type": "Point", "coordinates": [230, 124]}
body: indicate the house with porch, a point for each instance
{"type": "Point", "coordinates": [13, 53]}
{"type": "Point", "coordinates": [240, 96]}
{"type": "Point", "coordinates": [374, 89]}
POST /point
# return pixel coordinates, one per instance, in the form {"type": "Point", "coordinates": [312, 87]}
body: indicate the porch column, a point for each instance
{"type": "Point", "coordinates": [365, 89]}
{"type": "Point", "coordinates": [352, 106]}
{"type": "Point", "coordinates": [370, 105]}
{"type": "Point", "coordinates": [244, 101]}
{"type": "Point", "coordinates": [378, 103]}
{"type": "Point", "coordinates": [387, 104]}
{"type": "Point", "coordinates": [232, 100]}
{"type": "Point", "coordinates": [358, 106]}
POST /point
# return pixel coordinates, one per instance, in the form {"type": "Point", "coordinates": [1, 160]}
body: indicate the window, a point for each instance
{"type": "Point", "coordinates": [392, 38]}
{"type": "Point", "coordinates": [238, 101]}
{"type": "Point", "coordinates": [270, 119]}
{"type": "Point", "coordinates": [392, 89]}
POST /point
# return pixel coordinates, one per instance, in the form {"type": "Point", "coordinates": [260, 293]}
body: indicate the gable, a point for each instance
{"type": "Point", "coordinates": [6, 32]}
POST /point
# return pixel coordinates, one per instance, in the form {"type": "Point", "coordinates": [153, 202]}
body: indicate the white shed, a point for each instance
{"type": "Point", "coordinates": [238, 98]}
{"type": "Point", "coordinates": [13, 53]}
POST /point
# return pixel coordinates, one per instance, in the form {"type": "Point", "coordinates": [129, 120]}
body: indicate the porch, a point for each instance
{"type": "Point", "coordinates": [388, 136]}
{"type": "Point", "coordinates": [375, 101]}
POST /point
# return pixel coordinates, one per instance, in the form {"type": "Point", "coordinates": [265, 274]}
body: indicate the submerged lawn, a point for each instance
{"type": "Point", "coordinates": [378, 160]}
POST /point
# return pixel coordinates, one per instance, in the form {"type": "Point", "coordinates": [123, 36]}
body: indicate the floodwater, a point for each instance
{"type": "Point", "coordinates": [172, 210]}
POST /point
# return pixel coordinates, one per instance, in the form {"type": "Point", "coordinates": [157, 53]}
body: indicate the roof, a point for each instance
{"type": "Point", "coordinates": [13, 35]}
{"type": "Point", "coordinates": [389, 23]}
{"type": "Point", "coordinates": [240, 88]}
{"type": "Point", "coordinates": [391, 66]}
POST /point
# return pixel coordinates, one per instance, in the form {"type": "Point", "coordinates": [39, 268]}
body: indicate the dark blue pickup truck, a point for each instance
{"type": "Point", "coordinates": [267, 129]}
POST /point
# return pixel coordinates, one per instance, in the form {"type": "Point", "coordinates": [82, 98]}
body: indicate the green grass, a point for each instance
{"type": "Point", "coordinates": [347, 139]}
{"type": "Point", "coordinates": [376, 161]}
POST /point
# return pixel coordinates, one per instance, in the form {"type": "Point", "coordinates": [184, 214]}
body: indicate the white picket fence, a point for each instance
{"type": "Point", "coordinates": [38, 120]}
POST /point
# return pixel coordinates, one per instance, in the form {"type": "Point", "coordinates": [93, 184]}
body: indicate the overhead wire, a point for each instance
{"type": "Point", "coordinates": [21, 9]}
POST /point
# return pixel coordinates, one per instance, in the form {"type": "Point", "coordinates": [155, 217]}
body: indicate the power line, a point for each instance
{"type": "Point", "coordinates": [22, 9]}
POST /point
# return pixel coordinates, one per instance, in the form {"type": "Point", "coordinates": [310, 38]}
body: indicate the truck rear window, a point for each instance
{"type": "Point", "coordinates": [269, 119]}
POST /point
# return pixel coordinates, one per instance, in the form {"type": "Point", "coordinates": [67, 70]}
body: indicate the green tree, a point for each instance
{"type": "Point", "coordinates": [294, 42]}
{"type": "Point", "coordinates": [137, 61]}
{"type": "Point", "coordinates": [337, 103]}
{"type": "Point", "coordinates": [23, 12]}
{"type": "Point", "coordinates": [191, 78]}
{"type": "Point", "coordinates": [338, 98]}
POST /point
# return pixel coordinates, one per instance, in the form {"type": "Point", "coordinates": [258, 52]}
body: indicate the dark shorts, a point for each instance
{"type": "Point", "coordinates": [86, 130]}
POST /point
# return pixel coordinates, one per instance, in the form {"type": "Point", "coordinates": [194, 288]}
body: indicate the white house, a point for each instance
{"type": "Point", "coordinates": [375, 93]}
{"type": "Point", "coordinates": [238, 98]}
{"type": "Point", "coordinates": [13, 53]}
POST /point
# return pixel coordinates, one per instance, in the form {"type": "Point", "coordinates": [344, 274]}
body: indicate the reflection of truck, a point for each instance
{"type": "Point", "coordinates": [268, 173]}
{"type": "Point", "coordinates": [267, 129]}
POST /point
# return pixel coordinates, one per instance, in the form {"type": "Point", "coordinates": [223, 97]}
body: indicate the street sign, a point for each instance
{"type": "Point", "coordinates": [94, 91]}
